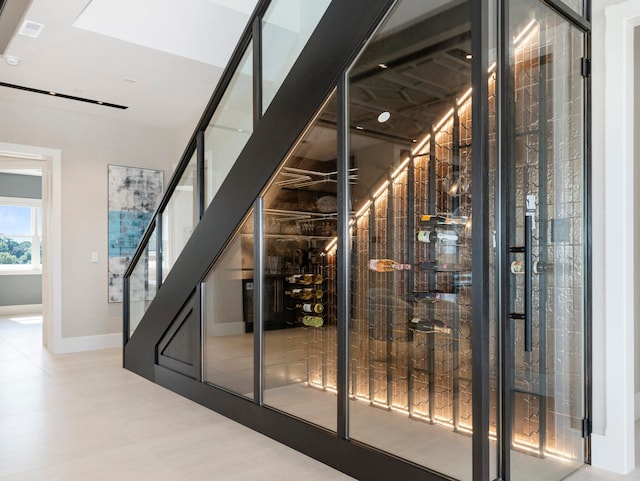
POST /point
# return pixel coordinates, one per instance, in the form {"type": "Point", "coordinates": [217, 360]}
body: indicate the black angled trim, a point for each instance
{"type": "Point", "coordinates": [50, 93]}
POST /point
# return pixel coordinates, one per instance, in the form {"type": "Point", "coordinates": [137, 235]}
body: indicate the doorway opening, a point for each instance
{"type": "Point", "coordinates": [48, 163]}
{"type": "Point", "coordinates": [21, 240]}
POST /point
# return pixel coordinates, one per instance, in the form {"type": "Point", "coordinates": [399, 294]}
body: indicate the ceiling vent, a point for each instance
{"type": "Point", "coordinates": [11, 14]}
{"type": "Point", "coordinates": [31, 29]}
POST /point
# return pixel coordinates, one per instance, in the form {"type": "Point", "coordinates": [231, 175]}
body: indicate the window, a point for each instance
{"type": "Point", "coordinates": [20, 234]}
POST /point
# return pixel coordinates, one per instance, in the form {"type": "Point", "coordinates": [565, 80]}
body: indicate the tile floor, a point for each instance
{"type": "Point", "coordinates": [82, 417]}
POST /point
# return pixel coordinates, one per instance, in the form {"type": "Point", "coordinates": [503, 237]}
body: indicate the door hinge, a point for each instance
{"type": "Point", "coordinates": [586, 67]}
{"type": "Point", "coordinates": [586, 427]}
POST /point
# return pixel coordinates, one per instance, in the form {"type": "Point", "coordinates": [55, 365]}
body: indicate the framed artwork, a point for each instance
{"type": "Point", "coordinates": [134, 194]}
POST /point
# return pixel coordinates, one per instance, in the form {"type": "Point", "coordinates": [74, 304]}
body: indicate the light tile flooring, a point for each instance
{"type": "Point", "coordinates": [82, 417]}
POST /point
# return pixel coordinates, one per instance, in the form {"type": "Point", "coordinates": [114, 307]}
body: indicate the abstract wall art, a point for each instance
{"type": "Point", "coordinates": [134, 194]}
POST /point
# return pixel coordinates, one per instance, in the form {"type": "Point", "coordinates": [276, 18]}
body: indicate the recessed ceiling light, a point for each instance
{"type": "Point", "coordinates": [383, 65]}
{"type": "Point", "coordinates": [52, 93]}
{"type": "Point", "coordinates": [12, 60]}
{"type": "Point", "coordinates": [468, 56]}
{"type": "Point", "coordinates": [359, 127]}
{"type": "Point", "coordinates": [383, 117]}
{"type": "Point", "coordinates": [130, 80]}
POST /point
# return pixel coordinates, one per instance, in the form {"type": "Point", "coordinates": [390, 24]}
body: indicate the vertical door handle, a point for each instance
{"type": "Point", "coordinates": [528, 280]}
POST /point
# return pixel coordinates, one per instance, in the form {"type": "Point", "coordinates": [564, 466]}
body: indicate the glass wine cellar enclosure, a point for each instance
{"type": "Point", "coordinates": [407, 295]}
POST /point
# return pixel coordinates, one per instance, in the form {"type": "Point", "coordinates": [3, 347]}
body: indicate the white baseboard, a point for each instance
{"type": "Point", "coordinates": [88, 343]}
{"type": "Point", "coordinates": [608, 456]}
{"type": "Point", "coordinates": [228, 329]}
{"type": "Point", "coordinates": [19, 310]}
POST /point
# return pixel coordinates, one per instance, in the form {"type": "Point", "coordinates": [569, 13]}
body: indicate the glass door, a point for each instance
{"type": "Point", "coordinates": [540, 232]}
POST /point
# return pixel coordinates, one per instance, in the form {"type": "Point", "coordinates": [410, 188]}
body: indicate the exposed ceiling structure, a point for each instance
{"type": "Point", "coordinates": [159, 58]}
{"type": "Point", "coordinates": [415, 87]}
{"type": "Point", "coordinates": [415, 71]}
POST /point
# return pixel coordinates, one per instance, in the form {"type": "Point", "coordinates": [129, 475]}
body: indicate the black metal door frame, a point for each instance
{"type": "Point", "coordinates": [505, 225]}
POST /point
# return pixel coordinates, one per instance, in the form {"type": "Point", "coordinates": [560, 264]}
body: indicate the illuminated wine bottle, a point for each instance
{"type": "Point", "coordinates": [387, 265]}
{"type": "Point", "coordinates": [312, 321]}
{"type": "Point", "coordinates": [316, 308]}
{"type": "Point", "coordinates": [304, 294]}
{"type": "Point", "coordinates": [304, 279]}
{"type": "Point", "coordinates": [432, 236]}
{"type": "Point", "coordinates": [317, 279]}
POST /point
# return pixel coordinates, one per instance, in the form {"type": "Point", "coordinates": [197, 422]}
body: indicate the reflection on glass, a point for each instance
{"type": "Point", "coordinates": [300, 303]}
{"type": "Point", "coordinates": [286, 28]}
{"type": "Point", "coordinates": [227, 294]}
{"type": "Point", "coordinates": [230, 127]}
{"type": "Point", "coordinates": [410, 330]}
{"type": "Point", "coordinates": [142, 284]}
{"type": "Point", "coordinates": [180, 216]}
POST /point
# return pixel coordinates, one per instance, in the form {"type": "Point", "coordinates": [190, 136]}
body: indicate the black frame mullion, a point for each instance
{"type": "Point", "coordinates": [504, 342]}
{"type": "Point", "coordinates": [480, 239]}
{"type": "Point", "coordinates": [257, 70]}
{"type": "Point", "coordinates": [159, 249]}
{"type": "Point", "coordinates": [126, 312]}
{"type": "Point", "coordinates": [343, 254]}
{"type": "Point", "coordinates": [581, 21]}
{"type": "Point", "coordinates": [200, 173]}
{"type": "Point", "coordinates": [587, 236]}
{"type": "Point", "coordinates": [258, 300]}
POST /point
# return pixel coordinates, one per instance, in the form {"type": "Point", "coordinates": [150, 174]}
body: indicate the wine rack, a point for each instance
{"type": "Point", "coordinates": [410, 334]}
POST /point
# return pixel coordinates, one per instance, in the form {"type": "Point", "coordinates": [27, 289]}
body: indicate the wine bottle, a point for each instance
{"type": "Point", "coordinates": [317, 293]}
{"type": "Point", "coordinates": [428, 325]}
{"type": "Point", "coordinates": [312, 321]}
{"type": "Point", "coordinates": [317, 279]}
{"type": "Point", "coordinates": [432, 219]}
{"type": "Point", "coordinates": [316, 308]}
{"type": "Point", "coordinates": [304, 294]}
{"type": "Point", "coordinates": [387, 265]}
{"type": "Point", "coordinates": [443, 219]}
{"type": "Point", "coordinates": [304, 279]}
{"type": "Point", "coordinates": [432, 236]}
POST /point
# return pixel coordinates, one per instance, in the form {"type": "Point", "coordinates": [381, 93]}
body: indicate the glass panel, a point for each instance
{"type": "Point", "coordinates": [547, 177]}
{"type": "Point", "coordinates": [300, 312]}
{"type": "Point", "coordinates": [576, 5]}
{"type": "Point", "coordinates": [286, 28]}
{"type": "Point", "coordinates": [230, 127]}
{"type": "Point", "coordinates": [142, 284]}
{"type": "Point", "coordinates": [227, 294]}
{"type": "Point", "coordinates": [180, 216]}
{"type": "Point", "coordinates": [410, 331]}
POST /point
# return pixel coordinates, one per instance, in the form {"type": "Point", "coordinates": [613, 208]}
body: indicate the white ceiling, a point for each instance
{"type": "Point", "coordinates": [161, 58]}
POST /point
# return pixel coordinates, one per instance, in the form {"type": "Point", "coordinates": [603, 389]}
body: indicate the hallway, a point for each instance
{"type": "Point", "coordinates": [82, 417]}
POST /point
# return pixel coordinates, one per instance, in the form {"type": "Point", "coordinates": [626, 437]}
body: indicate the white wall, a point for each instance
{"type": "Point", "coordinates": [87, 144]}
{"type": "Point", "coordinates": [613, 240]}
